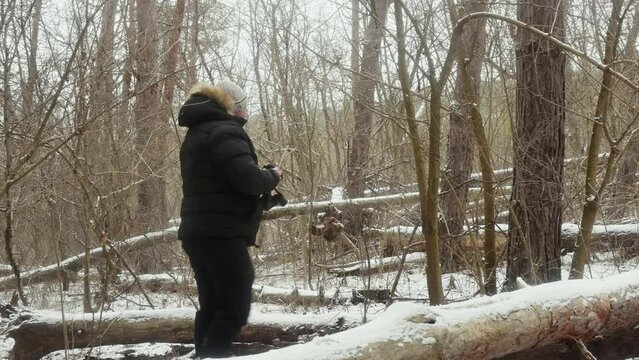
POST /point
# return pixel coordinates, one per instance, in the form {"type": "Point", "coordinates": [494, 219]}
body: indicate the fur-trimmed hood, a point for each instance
{"type": "Point", "coordinates": [206, 103]}
{"type": "Point", "coordinates": [214, 93]}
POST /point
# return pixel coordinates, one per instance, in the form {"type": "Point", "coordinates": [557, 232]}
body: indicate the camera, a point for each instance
{"type": "Point", "coordinates": [269, 200]}
{"type": "Point", "coordinates": [270, 166]}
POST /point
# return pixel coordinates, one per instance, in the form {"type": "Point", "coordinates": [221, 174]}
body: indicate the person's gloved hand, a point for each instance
{"type": "Point", "coordinates": [276, 169]}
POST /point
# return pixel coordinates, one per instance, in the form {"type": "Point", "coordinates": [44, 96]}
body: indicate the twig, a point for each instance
{"type": "Point", "coordinates": [582, 349]}
{"type": "Point", "coordinates": [135, 276]}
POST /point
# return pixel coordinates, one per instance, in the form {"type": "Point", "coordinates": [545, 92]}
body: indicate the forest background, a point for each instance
{"type": "Point", "coordinates": [377, 98]}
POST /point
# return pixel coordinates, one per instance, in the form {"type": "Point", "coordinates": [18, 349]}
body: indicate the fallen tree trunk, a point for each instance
{"type": "Point", "coordinates": [261, 293]}
{"type": "Point", "coordinates": [365, 267]}
{"type": "Point", "coordinates": [74, 263]}
{"type": "Point", "coordinates": [37, 333]}
{"type": "Point", "coordinates": [604, 237]}
{"type": "Point", "coordinates": [144, 351]}
{"type": "Point", "coordinates": [485, 328]}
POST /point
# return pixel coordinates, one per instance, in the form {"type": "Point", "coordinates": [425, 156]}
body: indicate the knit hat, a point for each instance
{"type": "Point", "coordinates": [236, 92]}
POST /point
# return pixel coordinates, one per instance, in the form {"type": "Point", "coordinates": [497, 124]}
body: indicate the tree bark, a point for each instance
{"type": "Point", "coordinates": [619, 346]}
{"type": "Point", "coordinates": [468, 78]}
{"type": "Point", "coordinates": [171, 61]}
{"type": "Point", "coordinates": [459, 164]}
{"type": "Point", "coordinates": [535, 219]}
{"type": "Point", "coordinates": [29, 88]}
{"type": "Point", "coordinates": [88, 160]}
{"type": "Point", "coordinates": [37, 333]}
{"type": "Point", "coordinates": [363, 98]}
{"type": "Point", "coordinates": [150, 141]}
{"type": "Point", "coordinates": [432, 252]}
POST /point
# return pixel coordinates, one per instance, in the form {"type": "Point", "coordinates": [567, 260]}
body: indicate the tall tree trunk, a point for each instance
{"type": "Point", "coordinates": [592, 192]}
{"type": "Point", "coordinates": [96, 118]}
{"type": "Point", "coordinates": [624, 187]}
{"type": "Point", "coordinates": [363, 98]}
{"type": "Point", "coordinates": [430, 212]}
{"type": "Point", "coordinates": [171, 61]}
{"type": "Point", "coordinates": [435, 294]}
{"type": "Point", "coordinates": [460, 139]}
{"type": "Point", "coordinates": [354, 45]}
{"type": "Point", "coordinates": [29, 87]}
{"type": "Point", "coordinates": [468, 88]}
{"type": "Point", "coordinates": [151, 129]}
{"type": "Point", "coordinates": [150, 141]}
{"type": "Point", "coordinates": [535, 217]}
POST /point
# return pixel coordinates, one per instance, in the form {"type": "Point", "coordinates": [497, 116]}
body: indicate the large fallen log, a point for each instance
{"type": "Point", "coordinates": [485, 328]}
{"type": "Point", "coordinates": [37, 333]}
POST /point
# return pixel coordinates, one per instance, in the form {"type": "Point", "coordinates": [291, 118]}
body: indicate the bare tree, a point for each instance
{"type": "Point", "coordinates": [624, 188]}
{"type": "Point", "coordinates": [593, 192]}
{"type": "Point", "coordinates": [535, 217]}
{"type": "Point", "coordinates": [363, 98]}
{"type": "Point", "coordinates": [467, 89]}
{"type": "Point", "coordinates": [151, 130]}
{"type": "Point", "coordinates": [171, 61]}
{"type": "Point", "coordinates": [430, 206]}
{"type": "Point", "coordinates": [434, 287]}
{"type": "Point", "coordinates": [459, 163]}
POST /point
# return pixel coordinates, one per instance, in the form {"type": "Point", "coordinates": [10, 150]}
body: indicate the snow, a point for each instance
{"type": "Point", "coordinates": [338, 194]}
{"type": "Point", "coordinates": [397, 323]}
{"type": "Point", "coordinates": [407, 322]}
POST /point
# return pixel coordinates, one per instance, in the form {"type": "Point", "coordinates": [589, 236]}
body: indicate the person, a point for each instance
{"type": "Point", "coordinates": [221, 208]}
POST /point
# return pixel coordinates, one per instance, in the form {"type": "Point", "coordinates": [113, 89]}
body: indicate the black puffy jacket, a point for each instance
{"type": "Point", "coordinates": [221, 180]}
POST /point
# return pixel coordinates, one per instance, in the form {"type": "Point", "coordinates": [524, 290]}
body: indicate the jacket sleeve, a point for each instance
{"type": "Point", "coordinates": [231, 154]}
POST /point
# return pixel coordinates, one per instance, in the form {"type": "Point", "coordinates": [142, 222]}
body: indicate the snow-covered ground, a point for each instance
{"type": "Point", "coordinates": [412, 285]}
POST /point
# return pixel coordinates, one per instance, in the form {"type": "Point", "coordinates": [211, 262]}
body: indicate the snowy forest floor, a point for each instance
{"type": "Point", "coordinates": [411, 287]}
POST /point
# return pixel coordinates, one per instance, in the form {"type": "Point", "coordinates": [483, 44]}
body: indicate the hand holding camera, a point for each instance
{"type": "Point", "coordinates": [269, 200]}
{"type": "Point", "coordinates": [276, 169]}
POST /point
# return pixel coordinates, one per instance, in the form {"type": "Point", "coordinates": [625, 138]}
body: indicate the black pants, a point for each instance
{"type": "Point", "coordinates": [224, 275]}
